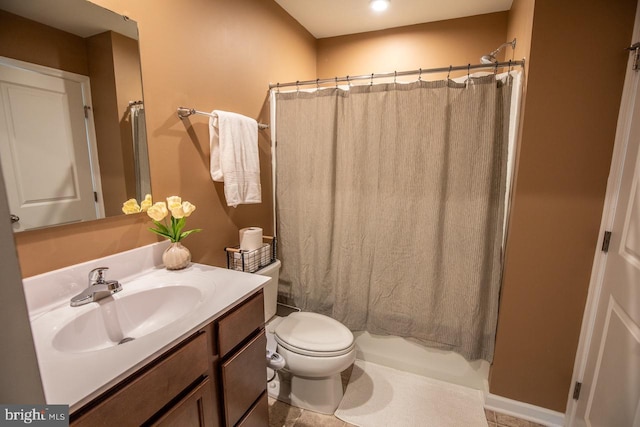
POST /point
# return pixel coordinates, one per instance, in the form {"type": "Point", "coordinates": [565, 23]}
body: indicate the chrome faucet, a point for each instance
{"type": "Point", "coordinates": [98, 288]}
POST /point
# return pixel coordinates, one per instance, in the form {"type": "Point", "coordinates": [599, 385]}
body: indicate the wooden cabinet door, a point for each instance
{"type": "Point", "coordinates": [258, 416]}
{"type": "Point", "coordinates": [195, 409]}
{"type": "Point", "coordinates": [244, 378]}
{"type": "Point", "coordinates": [241, 323]}
{"type": "Point", "coordinates": [142, 395]}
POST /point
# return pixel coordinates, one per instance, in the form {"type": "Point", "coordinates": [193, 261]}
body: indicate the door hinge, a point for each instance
{"type": "Point", "coordinates": [606, 241]}
{"type": "Point", "coordinates": [635, 48]}
{"type": "Point", "coordinates": [576, 390]}
{"type": "Point", "coordinates": [86, 111]}
{"type": "Point", "coordinates": [95, 196]}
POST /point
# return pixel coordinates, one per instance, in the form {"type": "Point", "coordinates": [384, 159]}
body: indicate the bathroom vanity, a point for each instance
{"type": "Point", "coordinates": [214, 377]}
{"type": "Point", "coordinates": [183, 348]}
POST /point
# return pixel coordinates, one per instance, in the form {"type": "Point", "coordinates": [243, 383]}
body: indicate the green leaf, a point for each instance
{"type": "Point", "coordinates": [186, 233]}
{"type": "Point", "coordinates": [179, 225]}
{"type": "Point", "coordinates": [161, 227]}
{"type": "Point", "coordinates": [173, 231]}
{"type": "Point", "coordinates": [162, 233]}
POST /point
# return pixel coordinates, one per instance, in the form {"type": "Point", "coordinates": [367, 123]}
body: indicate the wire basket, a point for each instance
{"type": "Point", "coordinates": [252, 261]}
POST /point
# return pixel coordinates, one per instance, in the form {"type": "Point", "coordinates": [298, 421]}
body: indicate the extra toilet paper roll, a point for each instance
{"type": "Point", "coordinates": [250, 238]}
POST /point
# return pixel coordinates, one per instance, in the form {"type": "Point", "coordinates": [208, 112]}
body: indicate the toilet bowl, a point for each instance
{"type": "Point", "coordinates": [315, 349]}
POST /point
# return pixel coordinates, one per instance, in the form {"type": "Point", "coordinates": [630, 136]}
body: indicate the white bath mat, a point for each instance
{"type": "Point", "coordinates": [381, 396]}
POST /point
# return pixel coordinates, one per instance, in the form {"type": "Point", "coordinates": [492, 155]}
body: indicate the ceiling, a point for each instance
{"type": "Point", "coordinates": [87, 19]}
{"type": "Point", "coordinates": [329, 18]}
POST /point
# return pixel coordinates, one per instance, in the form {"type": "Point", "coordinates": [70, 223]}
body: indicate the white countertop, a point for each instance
{"type": "Point", "coordinates": [74, 378]}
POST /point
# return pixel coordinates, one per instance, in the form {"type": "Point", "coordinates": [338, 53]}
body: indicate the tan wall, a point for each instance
{"type": "Point", "coordinates": [203, 54]}
{"type": "Point", "coordinates": [520, 27]}
{"type": "Point", "coordinates": [40, 44]}
{"type": "Point", "coordinates": [127, 67]}
{"type": "Point", "coordinates": [576, 72]}
{"type": "Point", "coordinates": [114, 68]}
{"type": "Point", "coordinates": [436, 44]}
{"type": "Point", "coordinates": [107, 121]}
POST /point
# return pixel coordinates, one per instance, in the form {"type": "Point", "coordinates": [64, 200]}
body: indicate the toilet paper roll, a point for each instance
{"type": "Point", "coordinates": [250, 238]}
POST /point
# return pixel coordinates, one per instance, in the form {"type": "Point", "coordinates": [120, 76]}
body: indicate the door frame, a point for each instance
{"type": "Point", "coordinates": [625, 117]}
{"type": "Point", "coordinates": [92, 140]}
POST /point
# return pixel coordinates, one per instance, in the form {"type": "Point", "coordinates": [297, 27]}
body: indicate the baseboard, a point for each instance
{"type": "Point", "coordinates": [524, 411]}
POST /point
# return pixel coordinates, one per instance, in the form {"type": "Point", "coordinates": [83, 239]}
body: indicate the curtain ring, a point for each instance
{"type": "Point", "coordinates": [449, 73]}
{"type": "Point", "coordinates": [348, 82]}
{"type": "Point", "coordinates": [420, 75]}
{"type": "Point", "coordinates": [468, 74]}
{"type": "Point", "coordinates": [278, 87]}
{"type": "Point", "coordinates": [336, 82]}
{"type": "Point", "coordinates": [371, 84]}
{"type": "Point", "coordinates": [509, 67]}
{"type": "Point", "coordinates": [298, 86]}
{"type": "Point", "coordinates": [395, 75]}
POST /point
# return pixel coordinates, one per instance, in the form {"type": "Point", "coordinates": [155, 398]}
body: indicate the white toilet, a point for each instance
{"type": "Point", "coordinates": [315, 348]}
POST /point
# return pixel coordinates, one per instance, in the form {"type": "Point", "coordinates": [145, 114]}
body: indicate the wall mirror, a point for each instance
{"type": "Point", "coordinates": [72, 130]}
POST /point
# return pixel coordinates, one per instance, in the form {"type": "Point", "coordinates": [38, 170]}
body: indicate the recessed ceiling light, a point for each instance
{"type": "Point", "coordinates": [379, 5]}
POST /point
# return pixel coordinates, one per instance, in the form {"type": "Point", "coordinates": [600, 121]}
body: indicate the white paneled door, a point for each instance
{"type": "Point", "coordinates": [43, 148]}
{"type": "Point", "coordinates": [610, 392]}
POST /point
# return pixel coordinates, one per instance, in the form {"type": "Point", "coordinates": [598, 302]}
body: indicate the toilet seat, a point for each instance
{"type": "Point", "coordinates": [314, 334]}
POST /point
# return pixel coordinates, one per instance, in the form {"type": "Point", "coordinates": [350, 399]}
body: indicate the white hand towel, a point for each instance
{"type": "Point", "coordinates": [234, 157]}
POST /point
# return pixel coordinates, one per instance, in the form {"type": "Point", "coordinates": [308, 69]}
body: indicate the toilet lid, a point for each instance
{"type": "Point", "coordinates": [314, 334]}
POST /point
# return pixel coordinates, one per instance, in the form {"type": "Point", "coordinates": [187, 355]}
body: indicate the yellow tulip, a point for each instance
{"type": "Point", "coordinates": [174, 202]}
{"type": "Point", "coordinates": [183, 210]}
{"type": "Point", "coordinates": [177, 212]}
{"type": "Point", "coordinates": [130, 207]}
{"type": "Point", "coordinates": [158, 211]}
{"type": "Point", "coordinates": [188, 208]}
{"type": "Point", "coordinates": [146, 203]}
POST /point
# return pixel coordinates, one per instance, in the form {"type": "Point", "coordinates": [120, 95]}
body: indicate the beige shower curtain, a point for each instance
{"type": "Point", "coordinates": [390, 201]}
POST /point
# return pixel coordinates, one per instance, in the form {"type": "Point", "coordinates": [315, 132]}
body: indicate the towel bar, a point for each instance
{"type": "Point", "coordinates": [184, 112]}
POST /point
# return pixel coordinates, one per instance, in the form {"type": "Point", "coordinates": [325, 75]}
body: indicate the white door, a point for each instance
{"type": "Point", "coordinates": [610, 392]}
{"type": "Point", "coordinates": [43, 149]}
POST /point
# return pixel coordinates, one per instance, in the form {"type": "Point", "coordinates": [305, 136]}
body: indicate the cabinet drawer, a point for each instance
{"type": "Point", "coordinates": [258, 416]}
{"type": "Point", "coordinates": [195, 409]}
{"type": "Point", "coordinates": [240, 323]}
{"type": "Point", "coordinates": [244, 378]}
{"type": "Point", "coordinates": [135, 401]}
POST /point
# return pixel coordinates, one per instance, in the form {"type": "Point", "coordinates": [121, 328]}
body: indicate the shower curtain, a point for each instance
{"type": "Point", "coordinates": [390, 207]}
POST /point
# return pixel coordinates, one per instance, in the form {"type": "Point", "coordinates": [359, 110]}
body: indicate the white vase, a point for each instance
{"type": "Point", "coordinates": [176, 257]}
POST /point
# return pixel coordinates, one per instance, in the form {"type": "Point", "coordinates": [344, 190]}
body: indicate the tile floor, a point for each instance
{"type": "Point", "coordinates": [284, 415]}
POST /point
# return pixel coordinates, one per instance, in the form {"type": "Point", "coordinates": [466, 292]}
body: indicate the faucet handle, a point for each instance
{"type": "Point", "coordinates": [97, 275]}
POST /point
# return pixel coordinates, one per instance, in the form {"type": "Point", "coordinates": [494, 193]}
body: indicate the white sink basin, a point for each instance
{"type": "Point", "coordinates": [122, 318]}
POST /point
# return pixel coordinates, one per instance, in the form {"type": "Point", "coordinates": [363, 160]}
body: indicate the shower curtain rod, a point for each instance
{"type": "Point", "coordinates": [394, 74]}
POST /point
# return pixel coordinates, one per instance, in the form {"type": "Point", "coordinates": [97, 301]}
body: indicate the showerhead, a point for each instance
{"type": "Point", "coordinates": [488, 59]}
{"type": "Point", "coordinates": [491, 58]}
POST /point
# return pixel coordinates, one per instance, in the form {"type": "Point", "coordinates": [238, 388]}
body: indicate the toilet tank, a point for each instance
{"type": "Point", "coordinates": [270, 289]}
